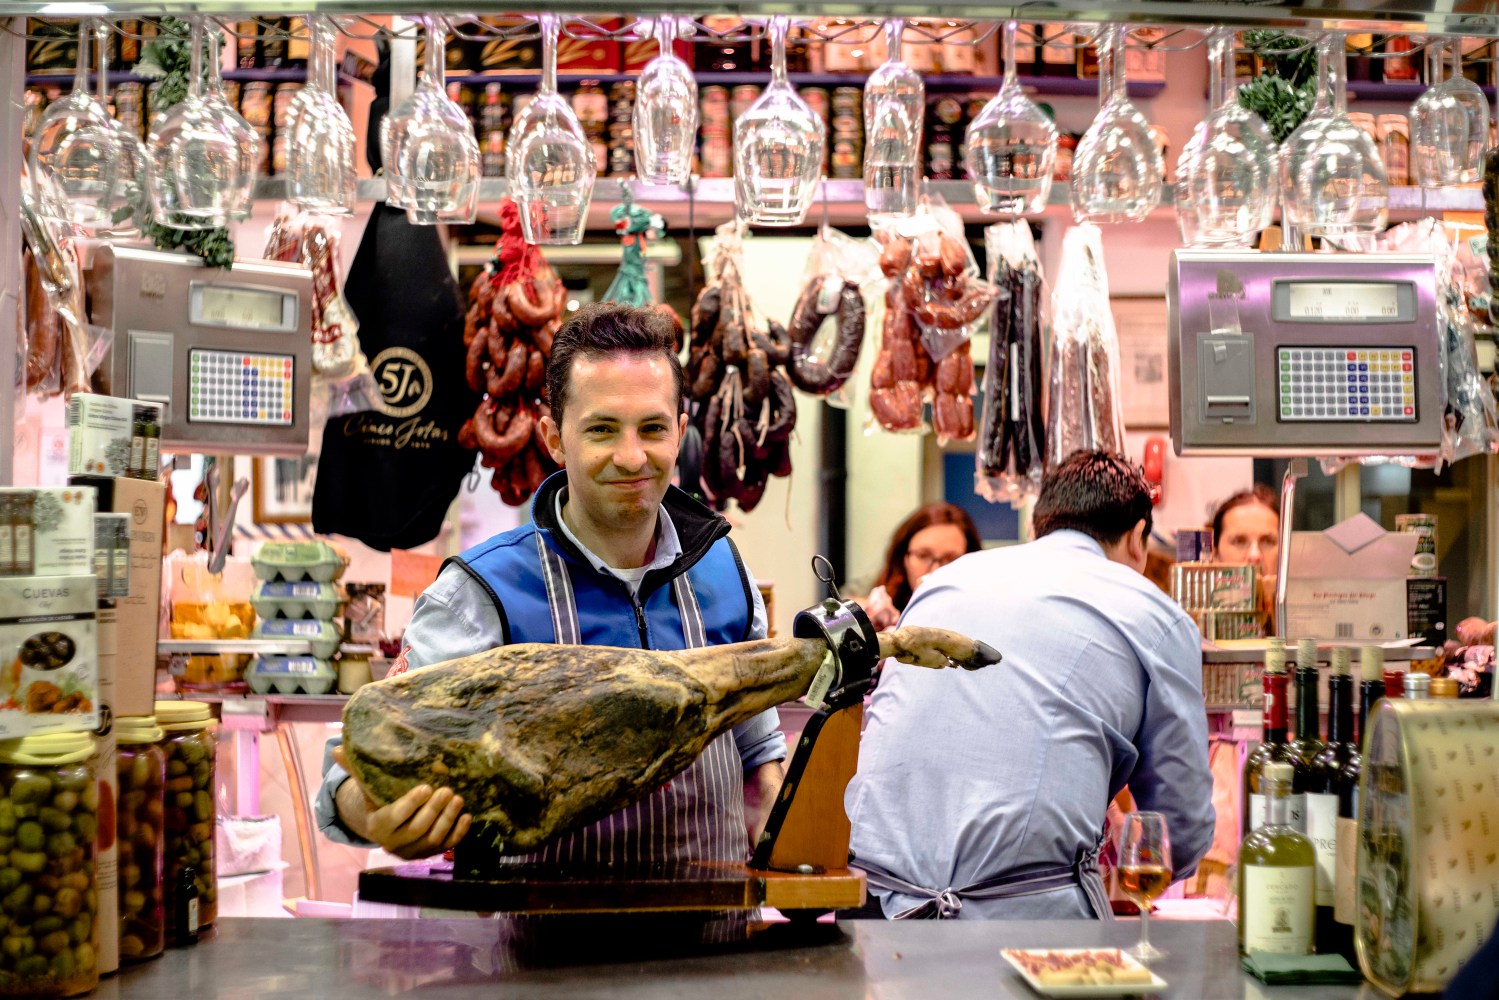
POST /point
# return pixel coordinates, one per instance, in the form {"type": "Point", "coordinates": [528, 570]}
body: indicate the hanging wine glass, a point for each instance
{"type": "Point", "coordinates": [320, 155]}
{"type": "Point", "coordinates": [550, 162]}
{"type": "Point", "coordinates": [1439, 125]}
{"type": "Point", "coordinates": [1011, 146]}
{"type": "Point", "coordinates": [778, 147]}
{"type": "Point", "coordinates": [428, 147]}
{"type": "Point", "coordinates": [166, 126]}
{"type": "Point", "coordinates": [129, 205]}
{"type": "Point", "coordinates": [1226, 176]}
{"type": "Point", "coordinates": [203, 154]}
{"type": "Point", "coordinates": [223, 120]}
{"type": "Point", "coordinates": [1470, 97]}
{"type": "Point", "coordinates": [894, 106]}
{"type": "Point", "coordinates": [75, 141]}
{"type": "Point", "coordinates": [665, 116]}
{"type": "Point", "coordinates": [1338, 187]}
{"type": "Point", "coordinates": [1117, 171]}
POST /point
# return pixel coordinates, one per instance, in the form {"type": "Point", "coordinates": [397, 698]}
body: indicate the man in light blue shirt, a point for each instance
{"type": "Point", "coordinates": [984, 794]}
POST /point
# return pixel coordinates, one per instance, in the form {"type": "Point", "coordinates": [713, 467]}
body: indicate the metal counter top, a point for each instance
{"type": "Point", "coordinates": [858, 960]}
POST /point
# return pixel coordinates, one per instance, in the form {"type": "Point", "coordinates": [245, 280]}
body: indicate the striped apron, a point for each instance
{"type": "Point", "coordinates": [945, 904]}
{"type": "Point", "coordinates": [696, 816]}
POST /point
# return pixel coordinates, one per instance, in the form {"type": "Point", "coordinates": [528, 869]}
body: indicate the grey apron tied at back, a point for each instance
{"type": "Point", "coordinates": [946, 904]}
{"type": "Point", "coordinates": [699, 814]}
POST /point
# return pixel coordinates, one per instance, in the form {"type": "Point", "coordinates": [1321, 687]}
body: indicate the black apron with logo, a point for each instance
{"type": "Point", "coordinates": [388, 476]}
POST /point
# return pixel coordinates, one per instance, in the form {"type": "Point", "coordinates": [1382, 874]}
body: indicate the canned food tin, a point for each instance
{"type": "Point", "coordinates": [1428, 871]}
{"type": "Point", "coordinates": [741, 98]}
{"type": "Point", "coordinates": [255, 103]}
{"type": "Point", "coordinates": [285, 94]}
{"type": "Point", "coordinates": [1424, 527]}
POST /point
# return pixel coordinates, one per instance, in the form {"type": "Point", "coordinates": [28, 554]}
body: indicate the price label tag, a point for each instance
{"type": "Point", "coordinates": [827, 674]}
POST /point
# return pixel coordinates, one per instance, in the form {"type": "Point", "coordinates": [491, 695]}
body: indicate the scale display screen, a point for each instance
{"type": "Point", "coordinates": [1344, 302]}
{"type": "Point", "coordinates": [240, 308]}
{"type": "Point", "coordinates": [238, 387]}
{"type": "Point", "coordinates": [1347, 384]}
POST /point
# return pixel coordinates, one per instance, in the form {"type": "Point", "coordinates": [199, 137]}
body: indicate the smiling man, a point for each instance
{"type": "Point", "coordinates": [614, 556]}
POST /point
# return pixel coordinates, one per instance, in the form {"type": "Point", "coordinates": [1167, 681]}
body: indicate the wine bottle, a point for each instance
{"type": "Point", "coordinates": [1322, 796]}
{"type": "Point", "coordinates": [1273, 745]}
{"type": "Point", "coordinates": [1345, 890]}
{"type": "Point", "coordinates": [1277, 876]}
{"type": "Point", "coordinates": [1308, 742]}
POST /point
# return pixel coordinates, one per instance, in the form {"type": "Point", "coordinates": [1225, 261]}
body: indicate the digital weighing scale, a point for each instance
{"type": "Point", "coordinates": [228, 353]}
{"type": "Point", "coordinates": [1298, 354]}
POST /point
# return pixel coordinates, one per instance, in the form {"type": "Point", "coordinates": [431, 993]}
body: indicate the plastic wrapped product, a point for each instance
{"type": "Point", "coordinates": [1083, 406]}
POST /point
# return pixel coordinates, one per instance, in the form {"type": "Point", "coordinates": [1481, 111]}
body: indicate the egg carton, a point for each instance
{"type": "Point", "coordinates": [293, 562]}
{"type": "Point", "coordinates": [307, 599]}
{"type": "Point", "coordinates": [290, 675]}
{"type": "Point", "coordinates": [323, 636]}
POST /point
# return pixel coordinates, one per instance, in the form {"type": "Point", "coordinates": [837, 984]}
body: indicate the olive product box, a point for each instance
{"type": "Point", "coordinates": [49, 664]}
{"type": "Point", "coordinates": [48, 531]}
{"type": "Point", "coordinates": [110, 436]}
{"type": "Point", "coordinates": [128, 630]}
{"type": "Point", "coordinates": [1426, 609]}
{"type": "Point", "coordinates": [1348, 583]}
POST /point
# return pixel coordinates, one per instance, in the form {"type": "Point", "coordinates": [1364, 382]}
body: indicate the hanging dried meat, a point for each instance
{"type": "Point", "coordinates": [60, 354]}
{"type": "Point", "coordinates": [742, 404]}
{"type": "Point", "coordinates": [1011, 454]}
{"type": "Point", "coordinates": [824, 355]}
{"type": "Point", "coordinates": [514, 310]}
{"type": "Point", "coordinates": [1083, 405]}
{"type": "Point", "coordinates": [339, 366]}
{"type": "Point", "coordinates": [933, 300]}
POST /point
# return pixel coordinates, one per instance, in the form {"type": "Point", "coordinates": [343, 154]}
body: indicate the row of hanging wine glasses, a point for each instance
{"type": "Point", "coordinates": [199, 162]}
{"type": "Point", "coordinates": [197, 169]}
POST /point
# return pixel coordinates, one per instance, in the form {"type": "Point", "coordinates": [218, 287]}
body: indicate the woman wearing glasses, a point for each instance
{"type": "Point", "coordinates": [931, 537]}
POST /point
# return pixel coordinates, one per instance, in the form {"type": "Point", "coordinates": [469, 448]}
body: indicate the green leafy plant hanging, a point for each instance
{"type": "Point", "coordinates": [168, 60]}
{"type": "Point", "coordinates": [1284, 92]}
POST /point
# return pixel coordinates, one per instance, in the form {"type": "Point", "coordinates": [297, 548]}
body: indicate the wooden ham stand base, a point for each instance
{"type": "Point", "coordinates": [800, 866]}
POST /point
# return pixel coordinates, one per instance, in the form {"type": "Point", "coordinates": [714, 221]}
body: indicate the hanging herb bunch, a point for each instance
{"type": "Point", "coordinates": [168, 60]}
{"type": "Point", "coordinates": [1285, 89]}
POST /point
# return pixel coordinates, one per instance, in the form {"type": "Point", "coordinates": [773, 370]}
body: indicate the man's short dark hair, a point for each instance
{"type": "Point", "coordinates": [1099, 493]}
{"type": "Point", "coordinates": [603, 328]}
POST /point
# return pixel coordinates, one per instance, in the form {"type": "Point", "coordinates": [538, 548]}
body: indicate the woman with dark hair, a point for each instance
{"type": "Point", "coordinates": [932, 536]}
{"type": "Point", "coordinates": [1246, 529]}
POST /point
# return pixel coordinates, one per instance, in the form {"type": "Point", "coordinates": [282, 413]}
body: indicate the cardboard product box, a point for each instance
{"type": "Point", "coordinates": [105, 435]}
{"type": "Point", "coordinates": [588, 55]}
{"type": "Point", "coordinates": [49, 655]}
{"type": "Point", "coordinates": [129, 630]}
{"type": "Point", "coordinates": [1348, 583]}
{"type": "Point", "coordinates": [1426, 609]}
{"type": "Point", "coordinates": [47, 531]}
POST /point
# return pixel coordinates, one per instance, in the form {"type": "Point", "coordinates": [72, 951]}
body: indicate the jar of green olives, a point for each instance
{"type": "Point", "coordinates": [141, 765]}
{"type": "Point", "coordinates": [191, 810]}
{"type": "Point", "coordinates": [49, 815]}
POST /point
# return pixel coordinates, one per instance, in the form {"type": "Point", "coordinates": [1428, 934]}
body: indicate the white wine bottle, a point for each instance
{"type": "Point", "coordinates": [1277, 876]}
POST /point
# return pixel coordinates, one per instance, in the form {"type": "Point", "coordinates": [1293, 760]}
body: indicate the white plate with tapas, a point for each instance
{"type": "Point", "coordinates": [1083, 972]}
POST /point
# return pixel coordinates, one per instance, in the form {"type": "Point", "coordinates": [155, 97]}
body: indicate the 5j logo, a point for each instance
{"type": "Point", "coordinates": [405, 381]}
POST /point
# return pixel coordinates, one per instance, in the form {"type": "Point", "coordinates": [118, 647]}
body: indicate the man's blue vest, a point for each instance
{"type": "Point", "coordinates": [508, 566]}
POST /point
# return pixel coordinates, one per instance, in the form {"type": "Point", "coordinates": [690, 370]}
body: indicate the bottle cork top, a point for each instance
{"type": "Point", "coordinates": [1306, 653]}
{"type": "Point", "coordinates": [1275, 659]}
{"type": "Point", "coordinates": [1278, 771]}
{"type": "Point", "coordinates": [1342, 657]}
{"type": "Point", "coordinates": [1371, 663]}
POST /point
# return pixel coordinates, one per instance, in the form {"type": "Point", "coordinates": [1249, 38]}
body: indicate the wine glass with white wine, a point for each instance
{"type": "Point", "coordinates": [1144, 871]}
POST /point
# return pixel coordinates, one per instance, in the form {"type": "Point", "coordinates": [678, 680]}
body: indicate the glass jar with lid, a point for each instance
{"type": "Point", "coordinates": [141, 765]}
{"type": "Point", "coordinates": [49, 815]}
{"type": "Point", "coordinates": [190, 808]}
